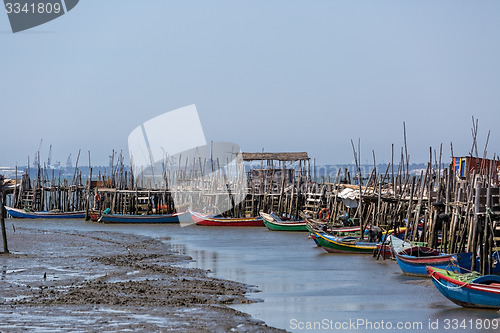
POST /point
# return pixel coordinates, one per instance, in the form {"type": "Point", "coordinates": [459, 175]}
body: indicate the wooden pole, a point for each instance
{"type": "Point", "coordinates": [475, 225]}
{"type": "Point", "coordinates": [87, 201]}
{"type": "Point", "coordinates": [357, 159]}
{"type": "Point", "coordinates": [410, 208]}
{"type": "Point", "coordinates": [2, 215]}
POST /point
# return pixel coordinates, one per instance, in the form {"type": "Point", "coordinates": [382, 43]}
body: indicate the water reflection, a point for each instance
{"type": "Point", "coordinates": [179, 249]}
{"type": "Point", "coordinates": [220, 266]}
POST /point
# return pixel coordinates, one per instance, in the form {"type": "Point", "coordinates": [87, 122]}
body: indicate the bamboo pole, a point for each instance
{"type": "Point", "coordinates": [2, 215]}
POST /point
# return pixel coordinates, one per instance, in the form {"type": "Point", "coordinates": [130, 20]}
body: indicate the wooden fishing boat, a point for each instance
{"type": "Point", "coordinates": [22, 214]}
{"type": "Point", "coordinates": [314, 225]}
{"type": "Point", "coordinates": [273, 222]}
{"type": "Point", "coordinates": [347, 244]}
{"type": "Point", "coordinates": [94, 216]}
{"type": "Point", "coordinates": [314, 228]}
{"type": "Point", "coordinates": [391, 246]}
{"type": "Point", "coordinates": [467, 289]}
{"type": "Point", "coordinates": [413, 261]}
{"type": "Point", "coordinates": [207, 220]}
{"type": "Point", "coordinates": [123, 218]}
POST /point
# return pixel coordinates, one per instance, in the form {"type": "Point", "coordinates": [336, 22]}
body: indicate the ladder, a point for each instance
{"type": "Point", "coordinates": [496, 237]}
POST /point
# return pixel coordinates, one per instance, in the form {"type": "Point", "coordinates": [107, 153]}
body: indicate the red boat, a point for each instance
{"type": "Point", "coordinates": [94, 216]}
{"type": "Point", "coordinates": [207, 220]}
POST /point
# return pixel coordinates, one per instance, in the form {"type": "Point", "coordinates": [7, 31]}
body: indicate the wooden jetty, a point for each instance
{"type": "Point", "coordinates": [452, 207]}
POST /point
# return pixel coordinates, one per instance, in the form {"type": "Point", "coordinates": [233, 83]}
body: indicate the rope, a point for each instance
{"type": "Point", "coordinates": [445, 286]}
{"type": "Point", "coordinates": [461, 278]}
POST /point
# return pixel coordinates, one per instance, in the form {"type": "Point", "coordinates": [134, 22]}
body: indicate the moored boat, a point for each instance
{"type": "Point", "coordinates": [314, 228]}
{"type": "Point", "coordinates": [347, 244]}
{"type": "Point", "coordinates": [123, 218]}
{"type": "Point", "coordinates": [23, 214]}
{"type": "Point", "coordinates": [207, 220]}
{"type": "Point", "coordinates": [94, 216]}
{"type": "Point", "coordinates": [467, 289]}
{"type": "Point", "coordinates": [413, 261]}
{"type": "Point", "coordinates": [391, 246]}
{"type": "Point", "coordinates": [316, 225]}
{"type": "Point", "coordinates": [273, 222]}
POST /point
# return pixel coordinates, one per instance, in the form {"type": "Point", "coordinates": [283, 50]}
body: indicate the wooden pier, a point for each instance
{"type": "Point", "coordinates": [454, 208]}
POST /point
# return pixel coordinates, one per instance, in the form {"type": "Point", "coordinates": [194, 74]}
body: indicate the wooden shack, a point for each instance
{"type": "Point", "coordinates": [465, 166]}
{"type": "Point", "coordinates": [274, 182]}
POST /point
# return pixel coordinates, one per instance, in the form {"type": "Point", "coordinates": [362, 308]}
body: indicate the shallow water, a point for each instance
{"type": "Point", "coordinates": [303, 287]}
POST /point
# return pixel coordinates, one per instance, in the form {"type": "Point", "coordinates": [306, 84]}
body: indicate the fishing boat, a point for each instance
{"type": "Point", "coordinates": [348, 244]}
{"type": "Point", "coordinates": [208, 220]}
{"type": "Point", "coordinates": [467, 289]}
{"type": "Point", "coordinates": [316, 225]}
{"type": "Point", "coordinates": [124, 218]}
{"type": "Point", "coordinates": [23, 214]}
{"type": "Point", "coordinates": [94, 215]}
{"type": "Point", "coordinates": [314, 228]}
{"type": "Point", "coordinates": [413, 260]}
{"type": "Point", "coordinates": [391, 246]}
{"type": "Point", "coordinates": [273, 222]}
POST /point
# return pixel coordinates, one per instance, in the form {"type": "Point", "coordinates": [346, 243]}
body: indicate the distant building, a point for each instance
{"type": "Point", "coordinates": [464, 166]}
{"type": "Point", "coordinates": [272, 178]}
{"type": "Point", "coordinates": [9, 172]}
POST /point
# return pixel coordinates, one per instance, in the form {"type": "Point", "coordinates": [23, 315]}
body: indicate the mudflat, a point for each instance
{"type": "Point", "coordinates": [107, 282]}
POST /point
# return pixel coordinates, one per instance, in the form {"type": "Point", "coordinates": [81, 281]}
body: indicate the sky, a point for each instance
{"type": "Point", "coordinates": [278, 75]}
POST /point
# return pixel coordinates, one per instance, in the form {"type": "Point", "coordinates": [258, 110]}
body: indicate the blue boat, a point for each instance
{"type": "Point", "coordinates": [124, 218]}
{"type": "Point", "coordinates": [413, 260]}
{"type": "Point", "coordinates": [23, 214]}
{"type": "Point", "coordinates": [469, 289]}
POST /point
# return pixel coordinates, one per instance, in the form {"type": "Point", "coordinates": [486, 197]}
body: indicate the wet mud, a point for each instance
{"type": "Point", "coordinates": [107, 282]}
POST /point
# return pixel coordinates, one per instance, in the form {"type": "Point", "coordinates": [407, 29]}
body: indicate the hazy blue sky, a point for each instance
{"type": "Point", "coordinates": [283, 75]}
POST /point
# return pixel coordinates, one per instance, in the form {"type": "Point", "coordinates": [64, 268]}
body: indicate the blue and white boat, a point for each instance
{"type": "Point", "coordinates": [469, 289]}
{"type": "Point", "coordinates": [23, 214]}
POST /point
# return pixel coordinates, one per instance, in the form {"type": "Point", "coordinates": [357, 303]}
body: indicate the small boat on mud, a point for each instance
{"type": "Point", "coordinates": [348, 244]}
{"type": "Point", "coordinates": [208, 220]}
{"type": "Point", "coordinates": [155, 218]}
{"type": "Point", "coordinates": [24, 214]}
{"type": "Point", "coordinates": [467, 289]}
{"type": "Point", "coordinates": [391, 246]}
{"type": "Point", "coordinates": [413, 260]}
{"type": "Point", "coordinates": [273, 222]}
{"type": "Point", "coordinates": [316, 227]}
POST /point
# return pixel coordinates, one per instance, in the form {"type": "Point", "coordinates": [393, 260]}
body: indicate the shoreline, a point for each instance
{"type": "Point", "coordinates": [102, 281]}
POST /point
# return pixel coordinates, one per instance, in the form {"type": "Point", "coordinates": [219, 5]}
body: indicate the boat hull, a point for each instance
{"type": "Point", "coordinates": [21, 214]}
{"type": "Point", "coordinates": [273, 223]}
{"type": "Point", "coordinates": [385, 251]}
{"type": "Point", "coordinates": [416, 266]}
{"type": "Point", "coordinates": [203, 220]}
{"type": "Point", "coordinates": [119, 218]}
{"type": "Point", "coordinates": [94, 216]}
{"type": "Point", "coordinates": [481, 292]}
{"type": "Point", "coordinates": [341, 245]}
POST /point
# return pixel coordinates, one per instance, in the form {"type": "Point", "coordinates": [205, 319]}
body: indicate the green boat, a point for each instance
{"type": "Point", "coordinates": [343, 244]}
{"type": "Point", "coordinates": [273, 222]}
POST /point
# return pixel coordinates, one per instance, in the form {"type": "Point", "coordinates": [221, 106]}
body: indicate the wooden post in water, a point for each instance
{"type": "Point", "coordinates": [357, 158]}
{"type": "Point", "coordinates": [486, 258]}
{"type": "Point", "coordinates": [409, 210]}
{"type": "Point", "coordinates": [475, 225]}
{"type": "Point", "coordinates": [2, 215]}
{"type": "Point", "coordinates": [88, 196]}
